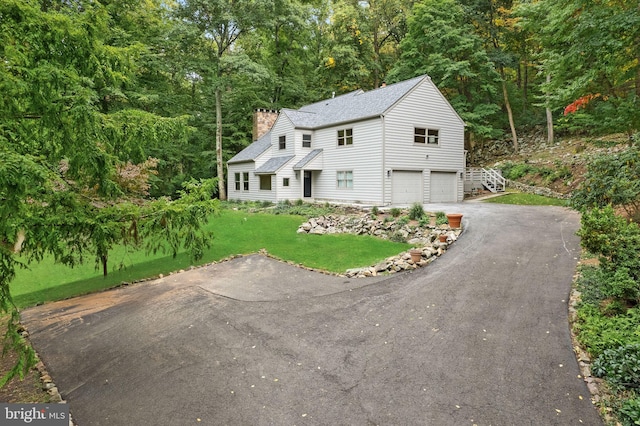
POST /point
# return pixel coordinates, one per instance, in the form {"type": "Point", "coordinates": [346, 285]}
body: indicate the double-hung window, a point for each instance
{"type": "Point", "coordinates": [426, 136]}
{"type": "Point", "coordinates": [433, 137]}
{"type": "Point", "coordinates": [344, 179]}
{"type": "Point", "coordinates": [237, 181]}
{"type": "Point", "coordinates": [306, 141]}
{"type": "Point", "coordinates": [282, 142]}
{"type": "Point", "coordinates": [345, 137]}
{"type": "Point", "coordinates": [245, 178]}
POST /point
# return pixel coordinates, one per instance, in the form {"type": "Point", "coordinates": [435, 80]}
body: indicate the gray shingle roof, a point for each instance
{"type": "Point", "coordinates": [253, 151]}
{"type": "Point", "coordinates": [273, 164]}
{"type": "Point", "coordinates": [351, 106]}
{"type": "Point", "coordinates": [307, 159]}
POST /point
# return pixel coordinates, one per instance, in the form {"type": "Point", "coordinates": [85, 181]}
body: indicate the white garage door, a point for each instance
{"type": "Point", "coordinates": [407, 187]}
{"type": "Point", "coordinates": [443, 187]}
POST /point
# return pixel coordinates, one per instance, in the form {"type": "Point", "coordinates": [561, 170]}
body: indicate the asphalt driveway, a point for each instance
{"type": "Point", "coordinates": [479, 337]}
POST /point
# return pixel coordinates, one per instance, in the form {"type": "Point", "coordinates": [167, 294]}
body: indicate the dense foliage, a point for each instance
{"type": "Point", "coordinates": [75, 148]}
{"type": "Point", "coordinates": [109, 106]}
{"type": "Point", "coordinates": [608, 321]}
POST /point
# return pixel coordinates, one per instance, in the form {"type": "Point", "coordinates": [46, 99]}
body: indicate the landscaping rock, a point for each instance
{"type": "Point", "coordinates": [422, 237]}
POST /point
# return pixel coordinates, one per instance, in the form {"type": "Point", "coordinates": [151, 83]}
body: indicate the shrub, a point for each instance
{"type": "Point", "coordinates": [629, 412]}
{"type": "Point", "coordinates": [515, 171]}
{"type": "Point", "coordinates": [424, 221]}
{"type": "Point", "coordinates": [604, 284]}
{"type": "Point", "coordinates": [375, 211]}
{"type": "Point", "coordinates": [395, 212]}
{"type": "Point", "coordinates": [614, 240]}
{"type": "Point", "coordinates": [619, 366]}
{"type": "Point", "coordinates": [416, 212]}
{"type": "Point", "coordinates": [299, 202]}
{"type": "Point", "coordinates": [403, 220]}
{"type": "Point", "coordinates": [611, 179]}
{"type": "Point", "coordinates": [589, 284]}
{"type": "Point", "coordinates": [597, 332]}
{"type": "Point", "coordinates": [441, 218]}
{"type": "Point", "coordinates": [397, 237]}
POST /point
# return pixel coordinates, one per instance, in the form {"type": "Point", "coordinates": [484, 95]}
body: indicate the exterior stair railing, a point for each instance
{"type": "Point", "coordinates": [493, 180]}
{"type": "Point", "coordinates": [490, 179]}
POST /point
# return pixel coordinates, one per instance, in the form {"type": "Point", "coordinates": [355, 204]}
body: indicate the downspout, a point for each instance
{"type": "Point", "coordinates": [384, 172]}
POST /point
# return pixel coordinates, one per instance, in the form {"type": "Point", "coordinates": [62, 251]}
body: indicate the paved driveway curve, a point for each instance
{"type": "Point", "coordinates": [479, 337]}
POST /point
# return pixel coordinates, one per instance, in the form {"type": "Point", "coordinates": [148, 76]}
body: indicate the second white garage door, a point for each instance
{"type": "Point", "coordinates": [443, 187]}
{"type": "Point", "coordinates": [407, 187]}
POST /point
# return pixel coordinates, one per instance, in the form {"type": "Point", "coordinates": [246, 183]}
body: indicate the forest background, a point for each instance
{"type": "Point", "coordinates": [117, 116]}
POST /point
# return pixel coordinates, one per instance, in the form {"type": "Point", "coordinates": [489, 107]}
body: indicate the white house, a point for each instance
{"type": "Point", "coordinates": [395, 145]}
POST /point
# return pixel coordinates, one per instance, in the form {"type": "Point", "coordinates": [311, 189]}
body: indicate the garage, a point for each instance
{"type": "Point", "coordinates": [407, 187]}
{"type": "Point", "coordinates": [443, 187]}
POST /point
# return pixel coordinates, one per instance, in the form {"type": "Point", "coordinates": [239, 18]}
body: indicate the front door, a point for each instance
{"type": "Point", "coordinates": [307, 184]}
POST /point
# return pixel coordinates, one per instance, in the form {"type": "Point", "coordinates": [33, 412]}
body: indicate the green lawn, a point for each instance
{"type": "Point", "coordinates": [235, 232]}
{"type": "Point", "coordinates": [526, 200]}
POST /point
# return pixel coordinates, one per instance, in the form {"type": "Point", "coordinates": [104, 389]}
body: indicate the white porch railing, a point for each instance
{"type": "Point", "coordinates": [491, 179]}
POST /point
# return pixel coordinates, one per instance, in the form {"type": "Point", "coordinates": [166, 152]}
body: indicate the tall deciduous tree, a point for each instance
{"type": "Point", "coordinates": [592, 51]}
{"type": "Point", "coordinates": [443, 45]}
{"type": "Point", "coordinates": [73, 170]}
{"type": "Point", "coordinates": [222, 23]}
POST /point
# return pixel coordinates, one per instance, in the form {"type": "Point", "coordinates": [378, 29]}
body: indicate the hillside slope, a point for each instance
{"type": "Point", "coordinates": [559, 167]}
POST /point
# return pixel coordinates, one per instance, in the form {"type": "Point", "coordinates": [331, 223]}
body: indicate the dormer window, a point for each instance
{"type": "Point", "coordinates": [306, 141]}
{"type": "Point", "coordinates": [282, 142]}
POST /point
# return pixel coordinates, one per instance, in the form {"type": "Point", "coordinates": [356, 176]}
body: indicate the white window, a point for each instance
{"type": "Point", "coordinates": [245, 178]}
{"type": "Point", "coordinates": [344, 179]}
{"type": "Point", "coordinates": [282, 142]}
{"type": "Point", "coordinates": [285, 181]}
{"type": "Point", "coordinates": [426, 136]}
{"type": "Point", "coordinates": [433, 136]}
{"type": "Point", "coordinates": [306, 141]}
{"type": "Point", "coordinates": [237, 180]}
{"type": "Point", "coordinates": [345, 137]}
{"type": "Point", "coordinates": [265, 182]}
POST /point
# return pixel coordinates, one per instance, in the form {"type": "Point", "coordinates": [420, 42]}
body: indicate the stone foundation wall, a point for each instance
{"type": "Point", "coordinates": [537, 190]}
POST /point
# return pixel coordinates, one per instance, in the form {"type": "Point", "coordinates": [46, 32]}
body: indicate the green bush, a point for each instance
{"type": "Point", "coordinates": [619, 366]}
{"type": "Point", "coordinates": [590, 284]}
{"type": "Point", "coordinates": [403, 220]}
{"type": "Point", "coordinates": [397, 237]}
{"type": "Point", "coordinates": [611, 180]}
{"type": "Point", "coordinates": [441, 218]}
{"type": "Point", "coordinates": [598, 332]}
{"type": "Point", "coordinates": [424, 221]}
{"type": "Point", "coordinates": [629, 412]}
{"type": "Point", "coordinates": [515, 171]}
{"type": "Point", "coordinates": [599, 284]}
{"type": "Point", "coordinates": [617, 243]}
{"type": "Point", "coordinates": [375, 210]}
{"type": "Point", "coordinates": [416, 212]}
{"type": "Point", "coordinates": [395, 212]}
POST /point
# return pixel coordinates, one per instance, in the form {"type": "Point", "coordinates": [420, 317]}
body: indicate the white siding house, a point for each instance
{"type": "Point", "coordinates": [395, 145]}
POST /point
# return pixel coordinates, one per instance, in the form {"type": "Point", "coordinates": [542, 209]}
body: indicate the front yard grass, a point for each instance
{"type": "Point", "coordinates": [235, 232]}
{"type": "Point", "coordinates": [523, 199]}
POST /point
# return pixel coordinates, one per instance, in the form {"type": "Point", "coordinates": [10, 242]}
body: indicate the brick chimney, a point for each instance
{"type": "Point", "coordinates": [263, 119]}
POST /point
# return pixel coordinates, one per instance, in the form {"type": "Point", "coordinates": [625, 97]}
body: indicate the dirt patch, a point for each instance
{"type": "Point", "coordinates": [29, 390]}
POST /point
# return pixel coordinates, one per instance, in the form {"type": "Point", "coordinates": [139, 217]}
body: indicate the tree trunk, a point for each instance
{"type": "Point", "coordinates": [103, 258]}
{"type": "Point", "coordinates": [549, 116]}
{"type": "Point", "coordinates": [222, 194]}
{"type": "Point", "coordinates": [507, 104]}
